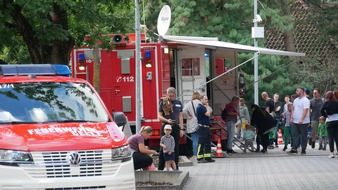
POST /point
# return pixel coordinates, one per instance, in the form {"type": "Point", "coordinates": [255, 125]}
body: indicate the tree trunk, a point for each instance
{"type": "Point", "coordinates": [289, 40]}
{"type": "Point", "coordinates": [27, 33]}
{"type": "Point", "coordinates": [56, 51]}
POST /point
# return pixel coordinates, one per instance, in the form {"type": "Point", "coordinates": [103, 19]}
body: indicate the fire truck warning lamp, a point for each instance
{"type": "Point", "coordinates": [147, 54]}
{"type": "Point", "coordinates": [35, 69]}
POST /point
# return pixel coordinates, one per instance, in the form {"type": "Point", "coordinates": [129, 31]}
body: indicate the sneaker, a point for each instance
{"type": "Point", "coordinates": [313, 144]}
{"type": "Point", "coordinates": [201, 160]}
{"type": "Point", "coordinates": [331, 155]}
{"type": "Point", "coordinates": [293, 151]}
{"type": "Point", "coordinates": [285, 147]}
{"type": "Point", "coordinates": [310, 141]}
{"type": "Point", "coordinates": [303, 152]}
{"type": "Point", "coordinates": [210, 160]}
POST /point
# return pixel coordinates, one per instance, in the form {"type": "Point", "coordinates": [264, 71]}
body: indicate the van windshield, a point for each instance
{"type": "Point", "coordinates": [49, 102]}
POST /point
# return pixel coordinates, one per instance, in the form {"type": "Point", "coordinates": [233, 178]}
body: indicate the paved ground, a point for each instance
{"type": "Point", "coordinates": [274, 170]}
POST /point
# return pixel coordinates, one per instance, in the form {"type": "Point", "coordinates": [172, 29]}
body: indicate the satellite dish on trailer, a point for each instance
{"type": "Point", "coordinates": [163, 20]}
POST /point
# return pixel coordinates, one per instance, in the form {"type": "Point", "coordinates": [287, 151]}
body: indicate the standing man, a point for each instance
{"type": "Point", "coordinates": [300, 117]}
{"type": "Point", "coordinates": [307, 93]}
{"type": "Point", "coordinates": [315, 105]}
{"type": "Point", "coordinates": [277, 110]}
{"type": "Point", "coordinates": [269, 104]}
{"type": "Point", "coordinates": [170, 112]}
{"type": "Point", "coordinates": [270, 108]}
{"type": "Point", "coordinates": [203, 112]}
{"type": "Point", "coordinates": [231, 119]}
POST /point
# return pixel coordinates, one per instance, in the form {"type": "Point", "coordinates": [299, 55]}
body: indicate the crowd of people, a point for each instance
{"type": "Point", "coordinates": [299, 113]}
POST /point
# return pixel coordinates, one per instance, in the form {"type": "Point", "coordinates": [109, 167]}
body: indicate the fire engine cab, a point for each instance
{"type": "Point", "coordinates": [187, 63]}
{"type": "Point", "coordinates": [56, 133]}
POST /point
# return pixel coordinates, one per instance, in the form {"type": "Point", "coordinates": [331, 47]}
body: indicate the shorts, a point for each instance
{"type": "Point", "coordinates": [168, 157]}
{"type": "Point", "coordinates": [314, 126]}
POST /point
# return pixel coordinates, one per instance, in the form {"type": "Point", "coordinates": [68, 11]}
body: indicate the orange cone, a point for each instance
{"type": "Point", "coordinates": [219, 152]}
{"type": "Point", "coordinates": [280, 137]}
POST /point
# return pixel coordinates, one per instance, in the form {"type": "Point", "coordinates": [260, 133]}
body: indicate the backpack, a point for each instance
{"type": "Point", "coordinates": [223, 114]}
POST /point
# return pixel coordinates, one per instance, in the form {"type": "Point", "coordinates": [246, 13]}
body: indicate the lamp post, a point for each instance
{"type": "Point", "coordinates": [138, 65]}
{"type": "Point", "coordinates": [256, 57]}
{"type": "Point", "coordinates": [256, 32]}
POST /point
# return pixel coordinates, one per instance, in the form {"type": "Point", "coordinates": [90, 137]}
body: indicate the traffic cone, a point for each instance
{"type": "Point", "coordinates": [280, 137]}
{"type": "Point", "coordinates": [219, 152]}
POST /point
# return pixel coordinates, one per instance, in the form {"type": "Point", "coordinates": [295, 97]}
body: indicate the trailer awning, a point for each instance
{"type": "Point", "coordinates": [214, 43]}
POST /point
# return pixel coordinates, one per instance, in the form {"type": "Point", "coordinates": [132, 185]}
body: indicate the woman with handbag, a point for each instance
{"type": "Point", "coordinates": [192, 126]}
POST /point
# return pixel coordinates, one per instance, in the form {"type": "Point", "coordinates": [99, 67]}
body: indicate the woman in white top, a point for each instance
{"type": "Point", "coordinates": [189, 111]}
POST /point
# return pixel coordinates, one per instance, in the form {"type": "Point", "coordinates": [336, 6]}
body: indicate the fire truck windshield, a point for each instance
{"type": "Point", "coordinates": [49, 102]}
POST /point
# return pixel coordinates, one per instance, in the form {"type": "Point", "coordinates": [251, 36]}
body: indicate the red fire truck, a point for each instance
{"type": "Point", "coordinates": [187, 63]}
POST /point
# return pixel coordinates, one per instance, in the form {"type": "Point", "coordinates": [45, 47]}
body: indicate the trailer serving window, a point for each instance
{"type": "Point", "coordinates": [191, 67]}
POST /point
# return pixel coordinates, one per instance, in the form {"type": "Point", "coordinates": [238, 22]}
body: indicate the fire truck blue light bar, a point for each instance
{"type": "Point", "coordinates": [35, 69]}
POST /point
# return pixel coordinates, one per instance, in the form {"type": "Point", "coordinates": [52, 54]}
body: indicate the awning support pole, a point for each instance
{"type": "Point", "coordinates": [256, 58]}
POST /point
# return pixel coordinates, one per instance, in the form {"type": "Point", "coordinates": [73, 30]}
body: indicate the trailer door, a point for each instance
{"type": "Point", "coordinates": [191, 72]}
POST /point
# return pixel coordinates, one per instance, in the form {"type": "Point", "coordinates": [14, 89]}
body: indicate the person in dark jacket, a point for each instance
{"type": "Point", "coordinates": [264, 123]}
{"type": "Point", "coordinates": [330, 111]}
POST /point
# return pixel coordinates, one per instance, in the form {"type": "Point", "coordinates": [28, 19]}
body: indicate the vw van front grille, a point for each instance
{"type": "Point", "coordinates": [68, 164]}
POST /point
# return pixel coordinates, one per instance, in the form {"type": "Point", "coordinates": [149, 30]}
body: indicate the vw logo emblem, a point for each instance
{"type": "Point", "coordinates": [74, 158]}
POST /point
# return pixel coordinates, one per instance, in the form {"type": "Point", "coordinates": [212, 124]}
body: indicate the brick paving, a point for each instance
{"type": "Point", "coordinates": [274, 170]}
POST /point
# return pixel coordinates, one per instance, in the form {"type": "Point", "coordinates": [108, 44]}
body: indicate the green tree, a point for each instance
{"type": "Point", "coordinates": [49, 29]}
{"type": "Point", "coordinates": [325, 15]}
{"type": "Point", "coordinates": [231, 21]}
{"type": "Point", "coordinates": [321, 65]}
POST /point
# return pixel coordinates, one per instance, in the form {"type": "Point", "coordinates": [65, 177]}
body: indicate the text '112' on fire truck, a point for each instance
{"type": "Point", "coordinates": [56, 133]}
{"type": "Point", "coordinates": [187, 63]}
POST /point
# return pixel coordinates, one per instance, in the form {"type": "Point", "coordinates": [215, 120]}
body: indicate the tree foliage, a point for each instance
{"type": "Point", "coordinates": [231, 21]}
{"type": "Point", "coordinates": [325, 15]}
{"type": "Point", "coordinates": [49, 29]}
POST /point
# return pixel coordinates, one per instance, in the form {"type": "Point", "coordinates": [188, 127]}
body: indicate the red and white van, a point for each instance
{"type": "Point", "coordinates": [56, 133]}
